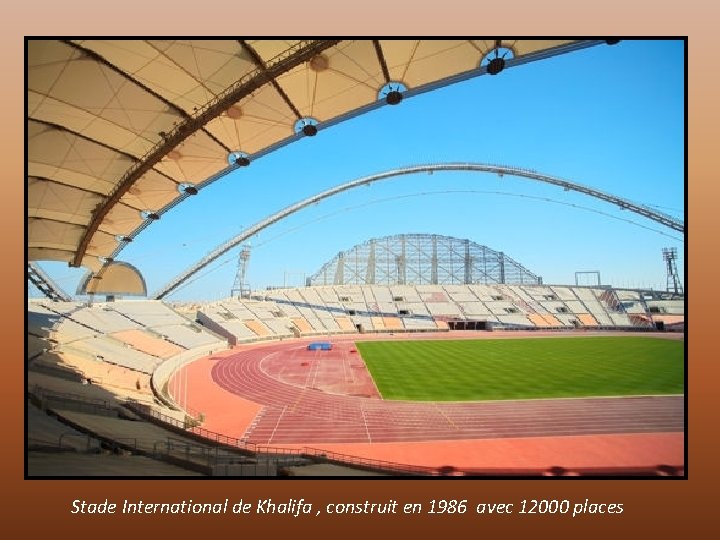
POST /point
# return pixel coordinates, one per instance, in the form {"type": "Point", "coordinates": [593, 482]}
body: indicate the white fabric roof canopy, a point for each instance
{"type": "Point", "coordinates": [116, 127]}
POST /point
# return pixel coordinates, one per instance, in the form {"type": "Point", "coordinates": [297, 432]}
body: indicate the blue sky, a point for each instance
{"type": "Point", "coordinates": [610, 117]}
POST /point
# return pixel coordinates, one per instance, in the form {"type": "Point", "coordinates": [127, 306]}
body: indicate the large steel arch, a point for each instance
{"type": "Point", "coordinates": [626, 204]}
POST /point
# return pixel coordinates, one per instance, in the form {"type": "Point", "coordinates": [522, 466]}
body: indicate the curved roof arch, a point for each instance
{"type": "Point", "coordinates": [118, 129]}
{"type": "Point", "coordinates": [625, 204]}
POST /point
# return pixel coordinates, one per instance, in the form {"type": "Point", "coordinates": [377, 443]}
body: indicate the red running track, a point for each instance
{"type": "Point", "coordinates": [316, 397]}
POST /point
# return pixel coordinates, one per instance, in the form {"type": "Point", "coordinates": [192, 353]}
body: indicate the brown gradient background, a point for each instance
{"type": "Point", "coordinates": [653, 508]}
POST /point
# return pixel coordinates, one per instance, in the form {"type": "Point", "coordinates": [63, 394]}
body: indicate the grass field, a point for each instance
{"type": "Point", "coordinates": [461, 370]}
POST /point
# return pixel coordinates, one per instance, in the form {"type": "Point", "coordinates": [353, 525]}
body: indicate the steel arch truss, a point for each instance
{"type": "Point", "coordinates": [645, 211]}
{"type": "Point", "coordinates": [420, 259]}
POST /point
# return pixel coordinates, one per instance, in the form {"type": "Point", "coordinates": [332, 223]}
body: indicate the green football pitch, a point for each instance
{"type": "Point", "coordinates": [465, 370]}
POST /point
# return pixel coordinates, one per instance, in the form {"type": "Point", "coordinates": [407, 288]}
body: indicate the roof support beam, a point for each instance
{"type": "Point", "coordinates": [261, 65]}
{"type": "Point", "coordinates": [65, 129]}
{"type": "Point", "coordinates": [381, 59]}
{"type": "Point", "coordinates": [63, 184]}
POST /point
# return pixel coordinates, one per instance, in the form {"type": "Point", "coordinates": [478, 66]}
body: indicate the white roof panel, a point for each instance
{"type": "Point", "coordinates": [114, 126]}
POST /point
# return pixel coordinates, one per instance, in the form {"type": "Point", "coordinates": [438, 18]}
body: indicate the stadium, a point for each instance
{"type": "Point", "coordinates": [412, 352]}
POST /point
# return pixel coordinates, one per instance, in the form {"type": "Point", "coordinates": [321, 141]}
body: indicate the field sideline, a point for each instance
{"type": "Point", "coordinates": [495, 369]}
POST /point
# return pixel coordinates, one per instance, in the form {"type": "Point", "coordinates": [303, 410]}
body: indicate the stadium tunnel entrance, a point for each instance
{"type": "Point", "coordinates": [468, 325]}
